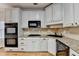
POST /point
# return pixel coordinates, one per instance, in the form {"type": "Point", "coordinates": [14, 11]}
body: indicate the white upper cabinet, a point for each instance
{"type": "Point", "coordinates": [10, 14]}
{"type": "Point", "coordinates": [2, 29]}
{"type": "Point", "coordinates": [53, 14]}
{"type": "Point", "coordinates": [71, 15]}
{"type": "Point", "coordinates": [2, 14]}
{"type": "Point", "coordinates": [16, 14]}
{"type": "Point", "coordinates": [30, 15]}
{"type": "Point", "coordinates": [48, 14]}
{"type": "Point", "coordinates": [68, 15]}
{"type": "Point", "coordinates": [57, 13]}
{"type": "Point", "coordinates": [76, 13]}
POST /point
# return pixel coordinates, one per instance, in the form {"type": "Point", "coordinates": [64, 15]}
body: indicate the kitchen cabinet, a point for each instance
{"type": "Point", "coordinates": [33, 44]}
{"type": "Point", "coordinates": [71, 15]}
{"type": "Point", "coordinates": [11, 49]}
{"type": "Point", "coordinates": [76, 14]}
{"type": "Point", "coordinates": [52, 46]}
{"type": "Point", "coordinates": [1, 33]}
{"type": "Point", "coordinates": [44, 44]}
{"type": "Point", "coordinates": [42, 18]}
{"type": "Point", "coordinates": [48, 14]}
{"type": "Point", "coordinates": [8, 14]}
{"type": "Point", "coordinates": [25, 44]}
{"type": "Point", "coordinates": [2, 14]}
{"type": "Point", "coordinates": [37, 15]}
{"type": "Point", "coordinates": [28, 44]}
{"type": "Point", "coordinates": [73, 53]}
{"type": "Point", "coordinates": [36, 45]}
{"type": "Point", "coordinates": [57, 12]}
{"type": "Point", "coordinates": [25, 18]}
{"type": "Point", "coordinates": [16, 15]}
{"type": "Point", "coordinates": [68, 15]}
{"type": "Point", "coordinates": [54, 13]}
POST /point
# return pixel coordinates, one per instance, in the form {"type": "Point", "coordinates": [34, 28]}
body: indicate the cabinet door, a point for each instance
{"type": "Point", "coordinates": [42, 18]}
{"type": "Point", "coordinates": [16, 14]}
{"type": "Point", "coordinates": [8, 15]}
{"type": "Point", "coordinates": [48, 12]}
{"type": "Point", "coordinates": [44, 45]}
{"type": "Point", "coordinates": [2, 14]}
{"type": "Point", "coordinates": [25, 18]}
{"type": "Point", "coordinates": [68, 15]}
{"type": "Point", "coordinates": [24, 23]}
{"type": "Point", "coordinates": [76, 13]}
{"type": "Point", "coordinates": [36, 44]}
{"type": "Point", "coordinates": [52, 46]}
{"type": "Point", "coordinates": [29, 45]}
{"type": "Point", "coordinates": [57, 12]}
{"type": "Point", "coordinates": [2, 25]}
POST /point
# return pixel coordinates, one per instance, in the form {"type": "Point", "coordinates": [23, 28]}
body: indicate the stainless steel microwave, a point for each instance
{"type": "Point", "coordinates": [34, 24]}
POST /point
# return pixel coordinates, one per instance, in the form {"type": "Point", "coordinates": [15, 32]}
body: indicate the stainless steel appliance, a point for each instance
{"type": "Point", "coordinates": [62, 49]}
{"type": "Point", "coordinates": [34, 24]}
{"type": "Point", "coordinates": [11, 34]}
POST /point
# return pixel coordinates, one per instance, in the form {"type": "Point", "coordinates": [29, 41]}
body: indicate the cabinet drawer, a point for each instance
{"type": "Point", "coordinates": [22, 39]}
{"type": "Point", "coordinates": [11, 49]}
{"type": "Point", "coordinates": [22, 48]}
{"type": "Point", "coordinates": [26, 48]}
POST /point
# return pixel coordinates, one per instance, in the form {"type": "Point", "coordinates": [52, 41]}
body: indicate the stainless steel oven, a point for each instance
{"type": "Point", "coordinates": [11, 28]}
{"type": "Point", "coordinates": [11, 34]}
{"type": "Point", "coordinates": [34, 24]}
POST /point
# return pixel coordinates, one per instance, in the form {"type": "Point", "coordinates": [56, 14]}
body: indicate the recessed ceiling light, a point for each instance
{"type": "Point", "coordinates": [35, 3]}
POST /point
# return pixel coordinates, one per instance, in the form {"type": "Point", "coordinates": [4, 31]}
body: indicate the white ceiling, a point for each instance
{"type": "Point", "coordinates": [29, 5]}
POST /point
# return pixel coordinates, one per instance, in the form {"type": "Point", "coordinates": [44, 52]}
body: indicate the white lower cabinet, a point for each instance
{"type": "Point", "coordinates": [73, 53]}
{"type": "Point", "coordinates": [33, 44]}
{"type": "Point", "coordinates": [52, 46]}
{"type": "Point", "coordinates": [44, 44]}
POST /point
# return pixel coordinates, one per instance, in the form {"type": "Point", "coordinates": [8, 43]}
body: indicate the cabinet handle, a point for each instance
{"type": "Point", "coordinates": [72, 24]}
{"type": "Point", "coordinates": [73, 55]}
{"type": "Point", "coordinates": [76, 23]}
{"type": "Point", "coordinates": [10, 49]}
{"type": "Point", "coordinates": [44, 39]}
{"type": "Point", "coordinates": [22, 43]}
{"type": "Point", "coordinates": [22, 39]}
{"type": "Point", "coordinates": [22, 48]}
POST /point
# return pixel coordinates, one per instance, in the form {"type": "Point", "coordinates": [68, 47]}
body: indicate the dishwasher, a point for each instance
{"type": "Point", "coordinates": [61, 49]}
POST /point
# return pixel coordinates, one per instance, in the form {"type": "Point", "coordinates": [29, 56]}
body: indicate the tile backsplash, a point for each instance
{"type": "Point", "coordinates": [42, 31]}
{"type": "Point", "coordinates": [74, 30]}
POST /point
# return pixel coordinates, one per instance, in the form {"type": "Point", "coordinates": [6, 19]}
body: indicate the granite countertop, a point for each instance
{"type": "Point", "coordinates": [73, 44]}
